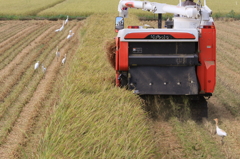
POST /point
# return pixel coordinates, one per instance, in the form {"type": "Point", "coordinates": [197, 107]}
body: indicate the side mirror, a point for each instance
{"type": "Point", "coordinates": [119, 24]}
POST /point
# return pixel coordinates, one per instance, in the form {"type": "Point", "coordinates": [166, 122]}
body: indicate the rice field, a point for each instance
{"type": "Point", "coordinates": [85, 7]}
{"type": "Point", "coordinates": [171, 138]}
{"type": "Point", "coordinates": [77, 104]}
{"type": "Point", "coordinates": [25, 91]}
{"type": "Point", "coordinates": [74, 110]}
{"type": "Point", "coordinates": [25, 7]}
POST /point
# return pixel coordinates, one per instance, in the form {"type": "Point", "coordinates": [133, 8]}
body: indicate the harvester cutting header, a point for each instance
{"type": "Point", "coordinates": [177, 60]}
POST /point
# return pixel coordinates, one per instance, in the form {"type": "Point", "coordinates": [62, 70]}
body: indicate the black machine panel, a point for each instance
{"type": "Point", "coordinates": [180, 80]}
{"type": "Point", "coordinates": [163, 60]}
{"type": "Point", "coordinates": [163, 47]}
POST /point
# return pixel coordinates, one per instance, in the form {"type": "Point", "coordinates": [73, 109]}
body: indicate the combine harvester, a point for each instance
{"type": "Point", "coordinates": [177, 60]}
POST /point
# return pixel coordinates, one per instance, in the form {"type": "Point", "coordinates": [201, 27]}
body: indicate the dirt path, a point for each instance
{"type": "Point", "coordinates": [30, 111]}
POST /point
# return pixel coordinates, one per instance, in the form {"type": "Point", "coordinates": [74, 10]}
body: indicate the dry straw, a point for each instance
{"type": "Point", "coordinates": [110, 48]}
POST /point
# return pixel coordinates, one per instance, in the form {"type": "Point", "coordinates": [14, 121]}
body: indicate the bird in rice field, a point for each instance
{"type": "Point", "coordinates": [219, 131]}
{"type": "Point", "coordinates": [66, 20]}
{"type": "Point", "coordinates": [64, 59]}
{"type": "Point", "coordinates": [60, 29]}
{"type": "Point", "coordinates": [36, 65]}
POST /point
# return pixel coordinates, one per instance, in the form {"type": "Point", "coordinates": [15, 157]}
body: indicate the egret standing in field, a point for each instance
{"type": "Point", "coordinates": [64, 59]}
{"type": "Point", "coordinates": [60, 29]}
{"type": "Point", "coordinates": [70, 31]}
{"type": "Point", "coordinates": [70, 34]}
{"type": "Point", "coordinates": [36, 65]}
{"type": "Point", "coordinates": [66, 20]}
{"type": "Point", "coordinates": [57, 53]}
{"type": "Point", "coordinates": [219, 131]}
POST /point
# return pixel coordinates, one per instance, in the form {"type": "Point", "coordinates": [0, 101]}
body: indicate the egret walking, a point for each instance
{"type": "Point", "coordinates": [64, 59]}
{"type": "Point", "coordinates": [36, 65]}
{"type": "Point", "coordinates": [66, 20]}
{"type": "Point", "coordinates": [219, 131]}
{"type": "Point", "coordinates": [57, 53]}
{"type": "Point", "coordinates": [60, 29]}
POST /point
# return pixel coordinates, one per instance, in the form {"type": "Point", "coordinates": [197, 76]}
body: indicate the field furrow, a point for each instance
{"type": "Point", "coordinates": [20, 45]}
{"type": "Point", "coordinates": [227, 55]}
{"type": "Point", "coordinates": [229, 39]}
{"type": "Point", "coordinates": [228, 100]}
{"type": "Point", "coordinates": [22, 54]}
{"type": "Point", "coordinates": [228, 70]}
{"type": "Point", "coordinates": [5, 45]}
{"type": "Point", "coordinates": [23, 84]}
{"type": "Point", "coordinates": [229, 77]}
{"type": "Point", "coordinates": [27, 66]}
{"type": "Point", "coordinates": [31, 108]}
{"type": "Point", "coordinates": [229, 27]}
{"type": "Point", "coordinates": [2, 24]}
{"type": "Point", "coordinates": [11, 31]}
{"type": "Point", "coordinates": [5, 26]}
{"type": "Point", "coordinates": [16, 73]}
{"type": "Point", "coordinates": [11, 50]}
{"type": "Point", "coordinates": [18, 61]}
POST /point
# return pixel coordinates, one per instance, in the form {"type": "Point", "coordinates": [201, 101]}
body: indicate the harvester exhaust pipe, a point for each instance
{"type": "Point", "coordinates": [160, 20]}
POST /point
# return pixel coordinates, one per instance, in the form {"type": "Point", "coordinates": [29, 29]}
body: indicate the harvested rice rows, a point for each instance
{"type": "Point", "coordinates": [11, 31]}
{"type": "Point", "coordinates": [27, 96]}
{"type": "Point", "coordinates": [228, 69]}
{"type": "Point", "coordinates": [24, 89]}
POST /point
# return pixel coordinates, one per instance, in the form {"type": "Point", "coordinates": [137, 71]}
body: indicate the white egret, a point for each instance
{"type": "Point", "coordinates": [147, 26]}
{"type": "Point", "coordinates": [57, 53]}
{"type": "Point", "coordinates": [60, 29]}
{"type": "Point", "coordinates": [70, 31]}
{"type": "Point", "coordinates": [36, 65]}
{"type": "Point", "coordinates": [219, 131]}
{"type": "Point", "coordinates": [57, 30]}
{"type": "Point", "coordinates": [64, 59]}
{"type": "Point", "coordinates": [66, 20]}
{"type": "Point", "coordinates": [70, 34]}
